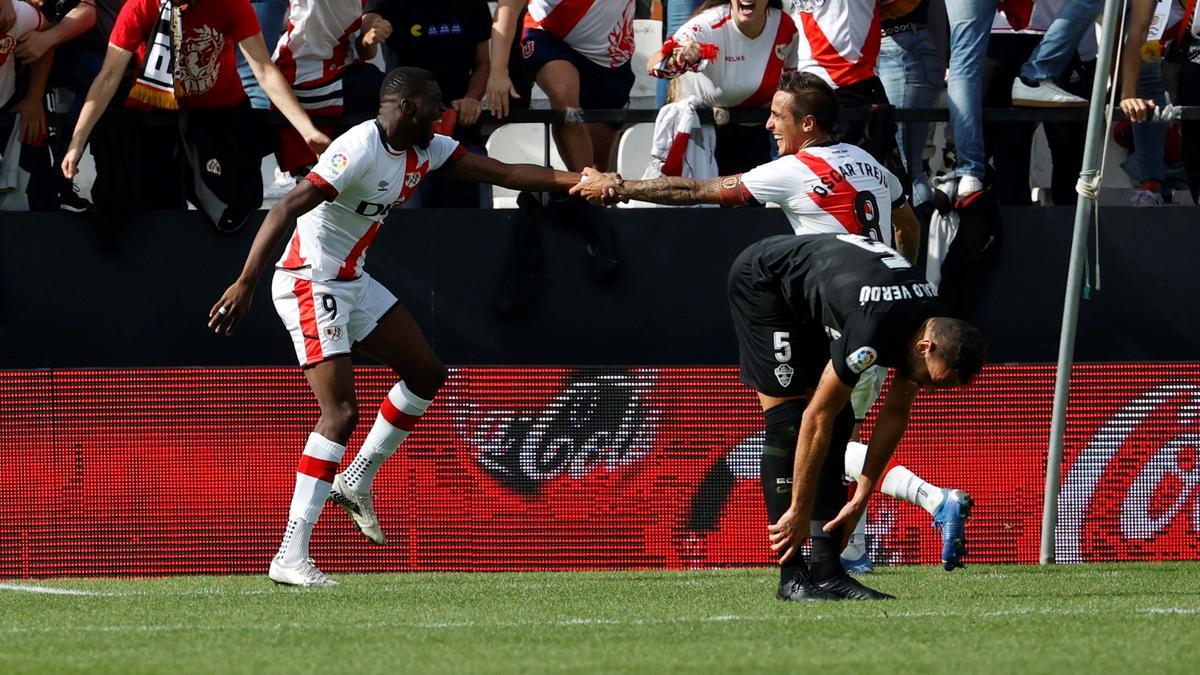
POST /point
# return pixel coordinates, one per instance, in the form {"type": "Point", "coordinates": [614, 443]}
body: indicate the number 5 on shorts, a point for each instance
{"type": "Point", "coordinates": [783, 348]}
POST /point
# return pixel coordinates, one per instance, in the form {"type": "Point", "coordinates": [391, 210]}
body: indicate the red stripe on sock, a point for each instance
{"type": "Point", "coordinates": [396, 417]}
{"type": "Point", "coordinates": [321, 469]}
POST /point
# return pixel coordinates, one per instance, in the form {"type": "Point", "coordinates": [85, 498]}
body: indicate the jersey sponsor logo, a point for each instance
{"type": "Point", "coordinates": [338, 162]}
{"type": "Point", "coordinates": [861, 359]}
{"type": "Point", "coordinates": [784, 374]}
{"type": "Point", "coordinates": [1136, 482]}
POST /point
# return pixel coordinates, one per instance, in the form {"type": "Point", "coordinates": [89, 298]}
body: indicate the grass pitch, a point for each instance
{"type": "Point", "coordinates": [1103, 618]}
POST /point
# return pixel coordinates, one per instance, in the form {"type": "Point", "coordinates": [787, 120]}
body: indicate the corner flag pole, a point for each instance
{"type": "Point", "coordinates": [1084, 209]}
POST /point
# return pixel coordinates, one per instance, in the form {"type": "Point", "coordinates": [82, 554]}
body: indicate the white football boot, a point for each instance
{"type": "Point", "coordinates": [306, 574]}
{"type": "Point", "coordinates": [361, 509]}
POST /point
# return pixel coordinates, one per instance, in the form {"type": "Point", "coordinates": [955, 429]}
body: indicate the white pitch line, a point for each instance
{"type": "Point", "coordinates": [576, 622]}
{"type": "Point", "coordinates": [45, 589]}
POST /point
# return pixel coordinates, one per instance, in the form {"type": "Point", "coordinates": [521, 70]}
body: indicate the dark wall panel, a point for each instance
{"type": "Point", "coordinates": [63, 304]}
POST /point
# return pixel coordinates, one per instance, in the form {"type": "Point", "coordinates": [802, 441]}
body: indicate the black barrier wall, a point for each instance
{"type": "Point", "coordinates": [64, 304]}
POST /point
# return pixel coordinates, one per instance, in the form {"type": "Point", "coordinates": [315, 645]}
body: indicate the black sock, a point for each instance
{"type": "Point", "coordinates": [776, 475]}
{"type": "Point", "coordinates": [826, 562]}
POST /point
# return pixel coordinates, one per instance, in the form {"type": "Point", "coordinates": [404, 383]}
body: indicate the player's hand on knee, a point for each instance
{"type": "Point", "coordinates": [229, 310]}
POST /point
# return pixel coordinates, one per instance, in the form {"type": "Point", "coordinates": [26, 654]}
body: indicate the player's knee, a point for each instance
{"type": "Point", "coordinates": [426, 380]}
{"type": "Point", "coordinates": [341, 417]}
{"type": "Point", "coordinates": [783, 427]}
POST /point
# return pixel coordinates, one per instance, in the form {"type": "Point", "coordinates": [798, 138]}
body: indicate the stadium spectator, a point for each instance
{"type": "Point", "coordinates": [449, 39]}
{"type": "Point", "coordinates": [271, 15]}
{"type": "Point", "coordinates": [675, 13]}
{"type": "Point", "coordinates": [739, 50]}
{"type": "Point", "coordinates": [1009, 144]}
{"type": "Point", "coordinates": [913, 76]}
{"type": "Point", "coordinates": [1156, 29]}
{"type": "Point", "coordinates": [17, 19]}
{"type": "Point", "coordinates": [321, 55]}
{"type": "Point", "coordinates": [336, 212]}
{"type": "Point", "coordinates": [196, 73]}
{"type": "Point", "coordinates": [1036, 85]}
{"type": "Point", "coordinates": [63, 57]}
{"type": "Point", "coordinates": [578, 52]}
{"type": "Point", "coordinates": [822, 187]}
{"type": "Point", "coordinates": [970, 29]}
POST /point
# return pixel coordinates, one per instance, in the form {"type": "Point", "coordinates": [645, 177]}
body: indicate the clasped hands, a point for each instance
{"type": "Point", "coordinates": [598, 188]}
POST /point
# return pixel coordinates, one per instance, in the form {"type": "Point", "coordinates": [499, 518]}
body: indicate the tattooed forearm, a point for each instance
{"type": "Point", "coordinates": [672, 190]}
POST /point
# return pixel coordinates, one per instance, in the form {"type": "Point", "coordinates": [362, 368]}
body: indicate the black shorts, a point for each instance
{"type": "Point", "coordinates": [600, 88]}
{"type": "Point", "coordinates": [781, 353]}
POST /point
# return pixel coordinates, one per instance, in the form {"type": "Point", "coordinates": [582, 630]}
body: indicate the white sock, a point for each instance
{"type": "Point", "coordinates": [397, 416]}
{"type": "Point", "coordinates": [904, 484]}
{"type": "Point", "coordinates": [856, 455]}
{"type": "Point", "coordinates": [857, 546]}
{"type": "Point", "coordinates": [314, 478]}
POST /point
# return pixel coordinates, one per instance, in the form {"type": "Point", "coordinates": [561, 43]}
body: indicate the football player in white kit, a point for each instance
{"type": "Point", "coordinates": [329, 304]}
{"type": "Point", "coordinates": [821, 186]}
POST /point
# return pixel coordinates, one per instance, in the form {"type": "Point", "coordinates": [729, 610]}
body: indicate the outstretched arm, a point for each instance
{"type": "Point", "coordinates": [281, 219]}
{"type": "Point", "coordinates": [672, 190]}
{"type": "Point", "coordinates": [483, 169]}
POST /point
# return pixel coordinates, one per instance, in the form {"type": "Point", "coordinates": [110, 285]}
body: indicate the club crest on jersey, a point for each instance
{"type": "Point", "coordinates": [338, 162]}
{"type": "Point", "coordinates": [861, 359]}
{"type": "Point", "coordinates": [213, 167]}
{"type": "Point", "coordinates": [333, 333]}
{"type": "Point", "coordinates": [784, 373]}
{"type": "Point", "coordinates": [411, 180]}
{"type": "Point", "coordinates": [781, 51]}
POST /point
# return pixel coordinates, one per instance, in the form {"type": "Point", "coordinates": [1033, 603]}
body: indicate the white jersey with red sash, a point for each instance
{"type": "Point", "coordinates": [316, 47]}
{"type": "Point", "coordinates": [830, 188]}
{"type": "Point", "coordinates": [745, 71]}
{"type": "Point", "coordinates": [363, 178]}
{"type": "Point", "coordinates": [839, 39]}
{"type": "Point", "coordinates": [601, 30]}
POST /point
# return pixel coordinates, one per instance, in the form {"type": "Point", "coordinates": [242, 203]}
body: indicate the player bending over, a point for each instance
{"type": "Point", "coordinates": [812, 313]}
{"type": "Point", "coordinates": [821, 186]}
{"type": "Point", "coordinates": [329, 304]}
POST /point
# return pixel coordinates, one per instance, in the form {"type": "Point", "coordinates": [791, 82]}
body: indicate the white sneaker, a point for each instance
{"type": "Point", "coordinates": [305, 574]}
{"type": "Point", "coordinates": [361, 509]}
{"type": "Point", "coordinates": [284, 183]}
{"type": "Point", "coordinates": [1145, 197]}
{"type": "Point", "coordinates": [1044, 94]}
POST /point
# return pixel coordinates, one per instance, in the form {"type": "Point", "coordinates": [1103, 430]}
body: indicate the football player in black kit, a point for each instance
{"type": "Point", "coordinates": [811, 313]}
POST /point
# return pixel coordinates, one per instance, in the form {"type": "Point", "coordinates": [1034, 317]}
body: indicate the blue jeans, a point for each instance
{"type": "Point", "coordinates": [970, 27]}
{"type": "Point", "coordinates": [1061, 40]}
{"type": "Point", "coordinates": [677, 13]}
{"type": "Point", "coordinates": [912, 77]}
{"type": "Point", "coordinates": [270, 20]}
{"type": "Point", "coordinates": [1148, 137]}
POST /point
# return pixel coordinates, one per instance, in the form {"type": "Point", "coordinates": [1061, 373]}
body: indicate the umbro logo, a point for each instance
{"type": "Point", "coordinates": [383, 185]}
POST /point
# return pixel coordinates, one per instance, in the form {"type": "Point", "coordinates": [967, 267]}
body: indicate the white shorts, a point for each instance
{"type": "Point", "coordinates": [325, 318]}
{"type": "Point", "coordinates": [866, 392]}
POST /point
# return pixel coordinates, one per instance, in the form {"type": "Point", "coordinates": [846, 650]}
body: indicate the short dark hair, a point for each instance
{"type": "Point", "coordinates": [811, 96]}
{"type": "Point", "coordinates": [961, 346]}
{"type": "Point", "coordinates": [405, 82]}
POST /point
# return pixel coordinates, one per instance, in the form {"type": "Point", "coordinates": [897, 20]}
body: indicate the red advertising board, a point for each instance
{"type": "Point", "coordinates": [190, 470]}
